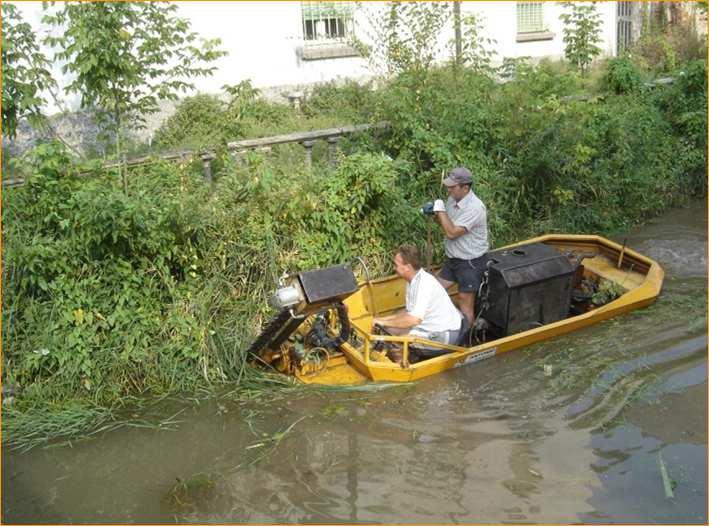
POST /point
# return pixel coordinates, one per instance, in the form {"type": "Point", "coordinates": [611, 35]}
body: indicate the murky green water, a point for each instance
{"type": "Point", "coordinates": [499, 441]}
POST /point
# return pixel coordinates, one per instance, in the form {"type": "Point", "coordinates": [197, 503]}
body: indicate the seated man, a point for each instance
{"type": "Point", "coordinates": [429, 312]}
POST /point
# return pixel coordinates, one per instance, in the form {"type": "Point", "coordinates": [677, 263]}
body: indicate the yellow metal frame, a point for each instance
{"type": "Point", "coordinates": [639, 275]}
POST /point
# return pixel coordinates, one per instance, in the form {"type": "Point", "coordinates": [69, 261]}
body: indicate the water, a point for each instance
{"type": "Point", "coordinates": [500, 441]}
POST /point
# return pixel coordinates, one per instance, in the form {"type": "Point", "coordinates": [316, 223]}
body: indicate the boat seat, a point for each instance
{"type": "Point", "coordinates": [423, 353]}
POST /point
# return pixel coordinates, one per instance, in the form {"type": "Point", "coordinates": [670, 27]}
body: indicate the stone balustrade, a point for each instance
{"type": "Point", "coordinates": [239, 149]}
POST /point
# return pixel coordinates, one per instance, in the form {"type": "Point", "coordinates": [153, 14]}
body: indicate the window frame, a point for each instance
{"type": "Point", "coordinates": [534, 30]}
{"type": "Point", "coordinates": [528, 17]}
{"type": "Point", "coordinates": [337, 14]}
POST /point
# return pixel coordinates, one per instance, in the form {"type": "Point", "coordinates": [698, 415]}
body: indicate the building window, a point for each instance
{"type": "Point", "coordinates": [326, 23]}
{"type": "Point", "coordinates": [625, 26]}
{"type": "Point", "coordinates": [530, 22]}
{"type": "Point", "coordinates": [529, 17]}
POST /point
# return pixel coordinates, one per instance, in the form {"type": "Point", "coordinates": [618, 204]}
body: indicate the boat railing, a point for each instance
{"type": "Point", "coordinates": [369, 339]}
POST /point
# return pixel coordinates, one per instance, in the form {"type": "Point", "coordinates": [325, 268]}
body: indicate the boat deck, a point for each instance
{"type": "Point", "coordinates": [603, 267]}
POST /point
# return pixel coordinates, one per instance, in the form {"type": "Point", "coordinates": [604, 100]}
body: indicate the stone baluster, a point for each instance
{"type": "Point", "coordinates": [238, 156]}
{"type": "Point", "coordinates": [207, 158]}
{"type": "Point", "coordinates": [333, 149]}
{"type": "Point", "coordinates": [296, 100]}
{"type": "Point", "coordinates": [308, 145]}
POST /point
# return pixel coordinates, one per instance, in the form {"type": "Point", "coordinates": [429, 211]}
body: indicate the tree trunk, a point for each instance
{"type": "Point", "coordinates": [122, 168]}
{"type": "Point", "coordinates": [458, 34]}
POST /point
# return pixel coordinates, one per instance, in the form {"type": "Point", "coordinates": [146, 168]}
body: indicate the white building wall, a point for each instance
{"type": "Point", "coordinates": [263, 39]}
{"type": "Point", "coordinates": [500, 24]}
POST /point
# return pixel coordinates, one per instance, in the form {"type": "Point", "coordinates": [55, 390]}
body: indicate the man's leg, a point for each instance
{"type": "Point", "coordinates": [466, 304]}
{"type": "Point", "coordinates": [446, 284]}
{"type": "Point", "coordinates": [465, 301]}
{"type": "Point", "coordinates": [396, 354]}
{"type": "Point", "coordinates": [469, 277]}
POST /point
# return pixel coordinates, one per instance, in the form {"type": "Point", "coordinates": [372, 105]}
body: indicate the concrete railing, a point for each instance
{"type": "Point", "coordinates": [306, 139]}
{"type": "Point", "coordinates": [239, 149]}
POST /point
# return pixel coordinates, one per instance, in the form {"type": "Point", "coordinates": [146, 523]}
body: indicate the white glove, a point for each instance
{"type": "Point", "coordinates": [439, 205]}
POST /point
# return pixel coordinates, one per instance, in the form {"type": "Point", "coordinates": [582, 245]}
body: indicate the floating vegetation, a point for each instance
{"type": "Point", "coordinates": [333, 410]}
{"type": "Point", "coordinates": [607, 291]}
{"type": "Point", "coordinates": [372, 387]}
{"type": "Point", "coordinates": [667, 483]}
{"type": "Point", "coordinates": [193, 493]}
{"type": "Point", "coordinates": [270, 442]}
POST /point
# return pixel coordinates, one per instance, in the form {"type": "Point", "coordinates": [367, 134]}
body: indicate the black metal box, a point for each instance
{"type": "Point", "coordinates": [529, 286]}
{"type": "Point", "coordinates": [328, 284]}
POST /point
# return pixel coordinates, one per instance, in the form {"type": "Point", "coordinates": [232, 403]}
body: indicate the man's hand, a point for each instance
{"type": "Point", "coordinates": [439, 205]}
{"type": "Point", "coordinates": [427, 209]}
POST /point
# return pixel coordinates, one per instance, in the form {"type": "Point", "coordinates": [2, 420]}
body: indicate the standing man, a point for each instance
{"type": "Point", "coordinates": [463, 218]}
{"type": "Point", "coordinates": [429, 312]}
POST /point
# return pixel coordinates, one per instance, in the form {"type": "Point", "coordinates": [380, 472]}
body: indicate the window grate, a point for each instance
{"type": "Point", "coordinates": [529, 17]}
{"type": "Point", "coordinates": [624, 27]}
{"type": "Point", "coordinates": [624, 8]}
{"type": "Point", "coordinates": [327, 22]}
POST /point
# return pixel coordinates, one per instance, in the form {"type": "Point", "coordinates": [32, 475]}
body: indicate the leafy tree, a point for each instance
{"type": "Point", "coordinates": [25, 72]}
{"type": "Point", "coordinates": [127, 56]}
{"type": "Point", "coordinates": [474, 50]}
{"type": "Point", "coordinates": [582, 31]}
{"type": "Point", "coordinates": [406, 36]}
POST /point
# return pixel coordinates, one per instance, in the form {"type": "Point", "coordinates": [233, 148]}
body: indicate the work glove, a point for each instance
{"type": "Point", "coordinates": [439, 205]}
{"type": "Point", "coordinates": [427, 209]}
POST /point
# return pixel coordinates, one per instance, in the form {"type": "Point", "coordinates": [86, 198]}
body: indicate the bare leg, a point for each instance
{"type": "Point", "coordinates": [396, 353]}
{"type": "Point", "coordinates": [446, 284]}
{"type": "Point", "coordinates": [466, 304]}
{"type": "Point", "coordinates": [466, 300]}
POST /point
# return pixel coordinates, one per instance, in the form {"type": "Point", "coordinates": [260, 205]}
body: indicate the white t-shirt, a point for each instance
{"type": "Point", "coordinates": [471, 214]}
{"type": "Point", "coordinates": [427, 300]}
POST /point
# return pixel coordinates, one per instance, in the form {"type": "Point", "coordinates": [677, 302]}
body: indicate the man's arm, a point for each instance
{"type": "Point", "coordinates": [401, 320]}
{"type": "Point", "coordinates": [450, 230]}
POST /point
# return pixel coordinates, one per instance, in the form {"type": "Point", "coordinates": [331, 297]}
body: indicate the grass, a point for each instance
{"type": "Point", "coordinates": [45, 425]}
{"type": "Point", "coordinates": [41, 423]}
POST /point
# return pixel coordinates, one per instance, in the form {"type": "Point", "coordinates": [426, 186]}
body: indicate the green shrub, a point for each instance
{"type": "Point", "coordinates": [622, 76]}
{"type": "Point", "coordinates": [199, 122]}
{"type": "Point", "coordinates": [664, 49]}
{"type": "Point", "coordinates": [683, 104]}
{"type": "Point", "coordinates": [351, 101]}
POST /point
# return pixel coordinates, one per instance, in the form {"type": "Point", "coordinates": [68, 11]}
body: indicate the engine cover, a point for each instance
{"type": "Point", "coordinates": [529, 286]}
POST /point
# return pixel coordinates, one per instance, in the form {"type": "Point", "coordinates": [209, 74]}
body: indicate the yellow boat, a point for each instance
{"type": "Point", "coordinates": [534, 290]}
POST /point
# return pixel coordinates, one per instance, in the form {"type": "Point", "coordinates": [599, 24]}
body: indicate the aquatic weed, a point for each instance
{"type": "Point", "coordinates": [192, 493]}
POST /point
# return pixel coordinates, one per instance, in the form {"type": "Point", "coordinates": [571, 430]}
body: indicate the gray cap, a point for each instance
{"type": "Point", "coordinates": [458, 176]}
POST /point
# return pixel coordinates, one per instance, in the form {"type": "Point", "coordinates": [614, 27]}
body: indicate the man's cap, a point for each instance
{"type": "Point", "coordinates": [458, 176]}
